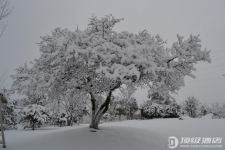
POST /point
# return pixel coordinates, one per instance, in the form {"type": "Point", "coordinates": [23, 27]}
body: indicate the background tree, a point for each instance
{"type": "Point", "coordinates": [120, 109]}
{"type": "Point", "coordinates": [74, 103]}
{"type": "Point", "coordinates": [127, 102]}
{"type": "Point", "coordinates": [202, 110]}
{"type": "Point", "coordinates": [112, 108]}
{"type": "Point", "coordinates": [191, 106]}
{"type": "Point", "coordinates": [10, 115]}
{"type": "Point", "coordinates": [218, 110]}
{"type": "Point", "coordinates": [131, 107]}
{"type": "Point", "coordinates": [9, 109]}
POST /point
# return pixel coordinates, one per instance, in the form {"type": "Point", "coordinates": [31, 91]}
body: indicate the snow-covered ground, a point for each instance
{"type": "Point", "coordinates": [125, 135]}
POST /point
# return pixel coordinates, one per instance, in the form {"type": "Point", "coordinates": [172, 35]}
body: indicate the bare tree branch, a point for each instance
{"type": "Point", "coordinates": [5, 11]}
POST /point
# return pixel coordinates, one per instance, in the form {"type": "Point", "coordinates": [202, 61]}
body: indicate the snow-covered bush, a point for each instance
{"type": "Point", "coordinates": [59, 119]}
{"type": "Point", "coordinates": [106, 117]}
{"type": "Point", "coordinates": [34, 115]}
{"type": "Point", "coordinates": [160, 107]}
{"type": "Point", "coordinates": [158, 110]}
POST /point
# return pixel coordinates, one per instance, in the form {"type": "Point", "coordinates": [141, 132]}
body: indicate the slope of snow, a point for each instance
{"type": "Point", "coordinates": [208, 116]}
{"type": "Point", "coordinates": [125, 135]}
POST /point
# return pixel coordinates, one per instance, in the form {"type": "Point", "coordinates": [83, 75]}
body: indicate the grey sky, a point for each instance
{"type": "Point", "coordinates": [32, 18]}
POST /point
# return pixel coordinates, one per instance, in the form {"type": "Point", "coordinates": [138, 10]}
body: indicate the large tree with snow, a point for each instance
{"type": "Point", "coordinates": [99, 60]}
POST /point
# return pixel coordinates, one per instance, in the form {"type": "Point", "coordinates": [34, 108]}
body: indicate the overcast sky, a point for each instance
{"type": "Point", "coordinates": [31, 19]}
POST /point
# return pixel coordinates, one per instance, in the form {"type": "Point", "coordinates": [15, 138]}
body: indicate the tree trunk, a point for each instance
{"type": "Point", "coordinates": [71, 120]}
{"type": "Point", "coordinates": [97, 119]}
{"type": "Point", "coordinates": [33, 125]}
{"type": "Point", "coordinates": [93, 110]}
{"type": "Point", "coordinates": [68, 122]}
{"type": "Point", "coordinates": [131, 116]}
{"type": "Point", "coordinates": [97, 115]}
{"type": "Point", "coordinates": [128, 116]}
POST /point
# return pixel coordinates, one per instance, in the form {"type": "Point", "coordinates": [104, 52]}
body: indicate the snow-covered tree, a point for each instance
{"type": "Point", "coordinates": [127, 102]}
{"type": "Point", "coordinates": [191, 106]}
{"type": "Point", "coordinates": [113, 108]}
{"type": "Point", "coordinates": [202, 110]}
{"type": "Point", "coordinates": [126, 93]}
{"type": "Point", "coordinates": [9, 109]}
{"type": "Point", "coordinates": [34, 115]}
{"type": "Point", "coordinates": [131, 108]}
{"type": "Point", "coordinates": [99, 60]}
{"type": "Point", "coordinates": [218, 110]}
{"type": "Point", "coordinates": [10, 115]}
{"type": "Point", "coordinates": [120, 109]}
{"type": "Point", "coordinates": [74, 104]}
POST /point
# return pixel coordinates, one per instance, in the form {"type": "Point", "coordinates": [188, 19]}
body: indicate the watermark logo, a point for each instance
{"type": "Point", "coordinates": [203, 142]}
{"type": "Point", "coordinates": [173, 142]}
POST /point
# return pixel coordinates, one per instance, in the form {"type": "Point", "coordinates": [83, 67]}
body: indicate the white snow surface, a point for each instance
{"type": "Point", "coordinates": [124, 135]}
{"type": "Point", "coordinates": [208, 116]}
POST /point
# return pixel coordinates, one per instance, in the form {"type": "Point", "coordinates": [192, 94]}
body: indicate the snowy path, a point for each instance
{"type": "Point", "coordinates": [125, 135]}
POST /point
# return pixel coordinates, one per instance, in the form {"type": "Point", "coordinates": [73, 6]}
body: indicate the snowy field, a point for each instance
{"type": "Point", "coordinates": [125, 135]}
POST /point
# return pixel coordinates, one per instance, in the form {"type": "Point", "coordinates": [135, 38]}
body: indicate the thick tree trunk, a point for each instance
{"type": "Point", "coordinates": [96, 119]}
{"type": "Point", "coordinates": [97, 115]}
{"type": "Point", "coordinates": [93, 110]}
